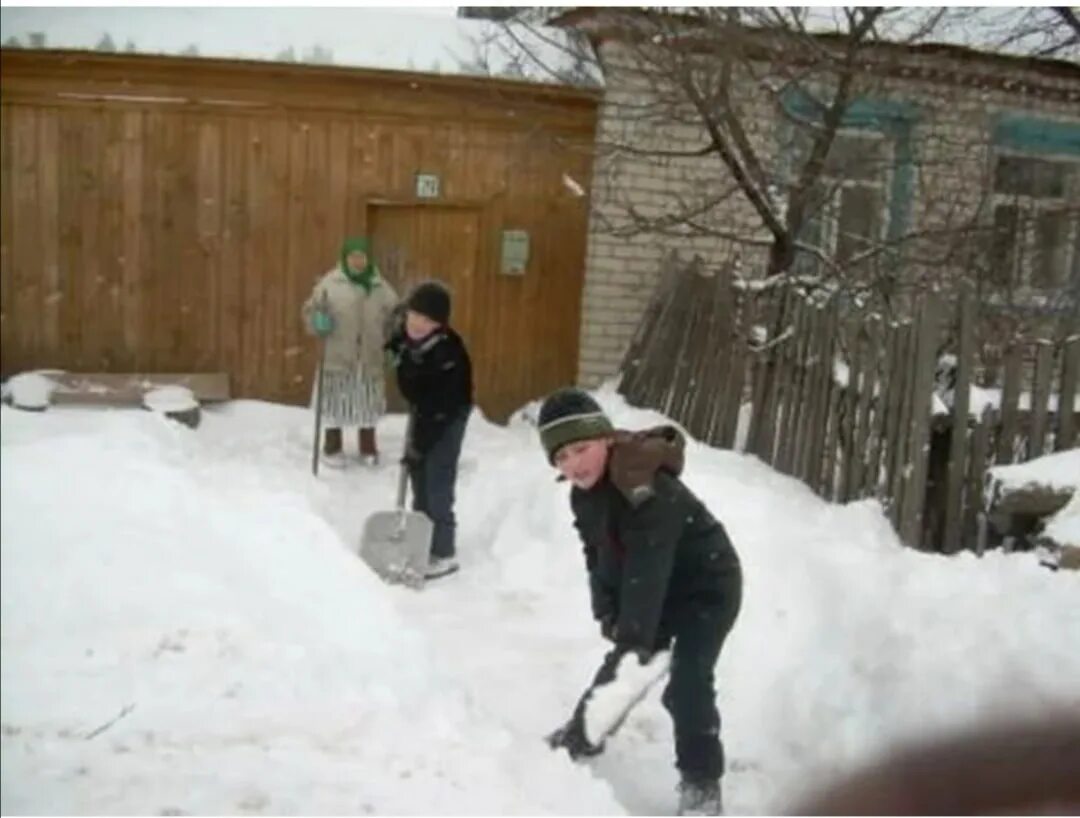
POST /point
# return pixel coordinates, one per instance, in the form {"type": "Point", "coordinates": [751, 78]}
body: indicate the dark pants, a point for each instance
{"type": "Point", "coordinates": [690, 695]}
{"type": "Point", "coordinates": [433, 478]}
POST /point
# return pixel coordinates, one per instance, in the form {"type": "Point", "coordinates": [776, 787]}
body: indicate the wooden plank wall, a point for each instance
{"type": "Point", "coordinates": [172, 214]}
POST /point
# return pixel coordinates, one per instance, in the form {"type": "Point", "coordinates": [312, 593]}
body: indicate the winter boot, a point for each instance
{"type": "Point", "coordinates": [332, 454]}
{"type": "Point", "coordinates": [369, 453]}
{"type": "Point", "coordinates": [440, 567]}
{"type": "Point", "coordinates": [700, 796]}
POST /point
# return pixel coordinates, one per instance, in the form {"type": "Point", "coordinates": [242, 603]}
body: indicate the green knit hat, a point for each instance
{"type": "Point", "coordinates": [570, 415]}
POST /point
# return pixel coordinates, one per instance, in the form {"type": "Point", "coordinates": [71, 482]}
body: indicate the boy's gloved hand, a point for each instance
{"type": "Point", "coordinates": [322, 323]}
{"type": "Point", "coordinates": [571, 736]}
{"type": "Point", "coordinates": [609, 629]}
{"type": "Point", "coordinates": [412, 455]}
{"type": "Point", "coordinates": [644, 655]}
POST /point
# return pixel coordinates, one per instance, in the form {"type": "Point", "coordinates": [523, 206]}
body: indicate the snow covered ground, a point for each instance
{"type": "Point", "coordinates": [186, 629]}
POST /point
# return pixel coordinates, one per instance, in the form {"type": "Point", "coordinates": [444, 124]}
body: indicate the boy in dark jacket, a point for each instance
{"type": "Point", "coordinates": [661, 571]}
{"type": "Point", "coordinates": [434, 374]}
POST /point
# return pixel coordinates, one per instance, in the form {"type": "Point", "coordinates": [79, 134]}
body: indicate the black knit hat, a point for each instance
{"type": "Point", "coordinates": [431, 299]}
{"type": "Point", "coordinates": [570, 415]}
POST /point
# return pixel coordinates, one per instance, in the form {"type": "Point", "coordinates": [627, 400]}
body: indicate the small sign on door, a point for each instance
{"type": "Point", "coordinates": [427, 186]}
{"type": "Point", "coordinates": [515, 252]}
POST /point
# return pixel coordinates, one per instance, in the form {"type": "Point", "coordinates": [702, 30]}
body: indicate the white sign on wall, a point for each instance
{"type": "Point", "coordinates": [427, 186]}
{"type": "Point", "coordinates": [515, 252]}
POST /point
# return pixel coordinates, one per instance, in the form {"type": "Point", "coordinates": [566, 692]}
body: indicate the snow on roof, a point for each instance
{"type": "Point", "coordinates": [1003, 30]}
{"type": "Point", "coordinates": [1015, 31]}
{"type": "Point", "coordinates": [350, 37]}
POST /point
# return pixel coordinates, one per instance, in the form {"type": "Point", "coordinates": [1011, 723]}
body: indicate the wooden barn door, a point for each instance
{"type": "Point", "coordinates": [415, 243]}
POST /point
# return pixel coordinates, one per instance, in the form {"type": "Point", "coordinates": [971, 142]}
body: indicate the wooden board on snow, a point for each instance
{"type": "Point", "coordinates": [127, 389]}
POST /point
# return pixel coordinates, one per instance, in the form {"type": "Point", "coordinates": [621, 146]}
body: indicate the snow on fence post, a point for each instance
{"type": "Point", "coordinates": [823, 381]}
{"type": "Point", "coordinates": [785, 349]}
{"type": "Point", "coordinates": [922, 388]}
{"type": "Point", "coordinates": [767, 377]}
{"type": "Point", "coordinates": [882, 374]}
{"type": "Point", "coordinates": [974, 510]}
{"type": "Point", "coordinates": [811, 435]}
{"type": "Point", "coordinates": [1070, 373]}
{"type": "Point", "coordinates": [1010, 400]}
{"type": "Point", "coordinates": [895, 436]}
{"type": "Point", "coordinates": [736, 380]}
{"type": "Point", "coordinates": [724, 358]}
{"type": "Point", "coordinates": [792, 373]}
{"type": "Point", "coordinates": [758, 375]}
{"type": "Point", "coordinates": [651, 382]}
{"type": "Point", "coordinates": [708, 375]}
{"type": "Point", "coordinates": [690, 349]}
{"type": "Point", "coordinates": [868, 380]}
{"type": "Point", "coordinates": [826, 480]}
{"type": "Point", "coordinates": [848, 413]}
{"type": "Point", "coordinates": [1040, 393]}
{"type": "Point", "coordinates": [806, 393]}
{"type": "Point", "coordinates": [954, 493]}
{"type": "Point", "coordinates": [634, 360]}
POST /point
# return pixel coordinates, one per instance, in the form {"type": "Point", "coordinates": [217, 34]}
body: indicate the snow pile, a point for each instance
{"type": "Point", "coordinates": [983, 398]}
{"type": "Point", "coordinates": [167, 399]}
{"type": "Point", "coordinates": [1064, 527]}
{"type": "Point", "coordinates": [1057, 472]}
{"type": "Point", "coordinates": [29, 390]}
{"type": "Point", "coordinates": [208, 582]}
{"type": "Point", "coordinates": [262, 667]}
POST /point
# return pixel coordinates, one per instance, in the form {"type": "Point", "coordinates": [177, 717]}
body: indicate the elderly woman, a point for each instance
{"type": "Point", "coordinates": [350, 308]}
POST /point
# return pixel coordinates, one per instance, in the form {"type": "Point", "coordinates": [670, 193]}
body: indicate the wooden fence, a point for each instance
{"type": "Point", "coordinates": [848, 403]}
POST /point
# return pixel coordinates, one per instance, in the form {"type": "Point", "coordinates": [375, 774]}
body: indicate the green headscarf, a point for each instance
{"type": "Point", "coordinates": [369, 276]}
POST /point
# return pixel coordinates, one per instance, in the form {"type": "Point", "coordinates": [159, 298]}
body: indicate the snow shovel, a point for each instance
{"type": "Point", "coordinates": [609, 705]}
{"type": "Point", "coordinates": [396, 544]}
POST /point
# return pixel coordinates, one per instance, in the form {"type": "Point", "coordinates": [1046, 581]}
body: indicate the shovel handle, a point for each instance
{"type": "Point", "coordinates": [403, 475]}
{"type": "Point", "coordinates": [323, 303]}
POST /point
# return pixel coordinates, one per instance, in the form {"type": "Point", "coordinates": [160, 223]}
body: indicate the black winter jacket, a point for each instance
{"type": "Point", "coordinates": [435, 377]}
{"type": "Point", "coordinates": [654, 553]}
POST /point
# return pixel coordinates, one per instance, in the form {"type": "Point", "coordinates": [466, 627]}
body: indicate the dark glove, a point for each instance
{"type": "Point", "coordinates": [412, 458]}
{"type": "Point", "coordinates": [609, 629]}
{"type": "Point", "coordinates": [644, 655]}
{"type": "Point", "coordinates": [571, 736]}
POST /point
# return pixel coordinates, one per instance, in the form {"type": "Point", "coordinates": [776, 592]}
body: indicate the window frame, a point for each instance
{"type": "Point", "coordinates": [1026, 257]}
{"type": "Point", "coordinates": [882, 185]}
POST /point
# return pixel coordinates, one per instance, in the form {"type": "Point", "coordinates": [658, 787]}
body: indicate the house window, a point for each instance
{"type": "Point", "coordinates": [1036, 222]}
{"type": "Point", "coordinates": [856, 179]}
{"type": "Point", "coordinates": [850, 209]}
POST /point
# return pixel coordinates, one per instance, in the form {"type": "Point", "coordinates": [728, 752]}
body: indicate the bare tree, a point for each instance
{"type": "Point", "coordinates": [758, 120]}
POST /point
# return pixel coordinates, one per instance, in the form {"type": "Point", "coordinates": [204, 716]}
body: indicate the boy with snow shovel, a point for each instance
{"type": "Point", "coordinates": [434, 374]}
{"type": "Point", "coordinates": [661, 571]}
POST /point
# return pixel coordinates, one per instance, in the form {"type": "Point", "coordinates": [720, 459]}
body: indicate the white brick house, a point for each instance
{"type": "Point", "coordinates": [972, 139]}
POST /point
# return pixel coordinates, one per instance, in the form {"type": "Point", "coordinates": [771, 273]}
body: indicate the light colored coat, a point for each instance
{"type": "Point", "coordinates": [360, 321]}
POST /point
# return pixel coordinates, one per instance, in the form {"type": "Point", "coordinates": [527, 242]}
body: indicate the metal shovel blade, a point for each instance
{"type": "Point", "coordinates": [396, 545]}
